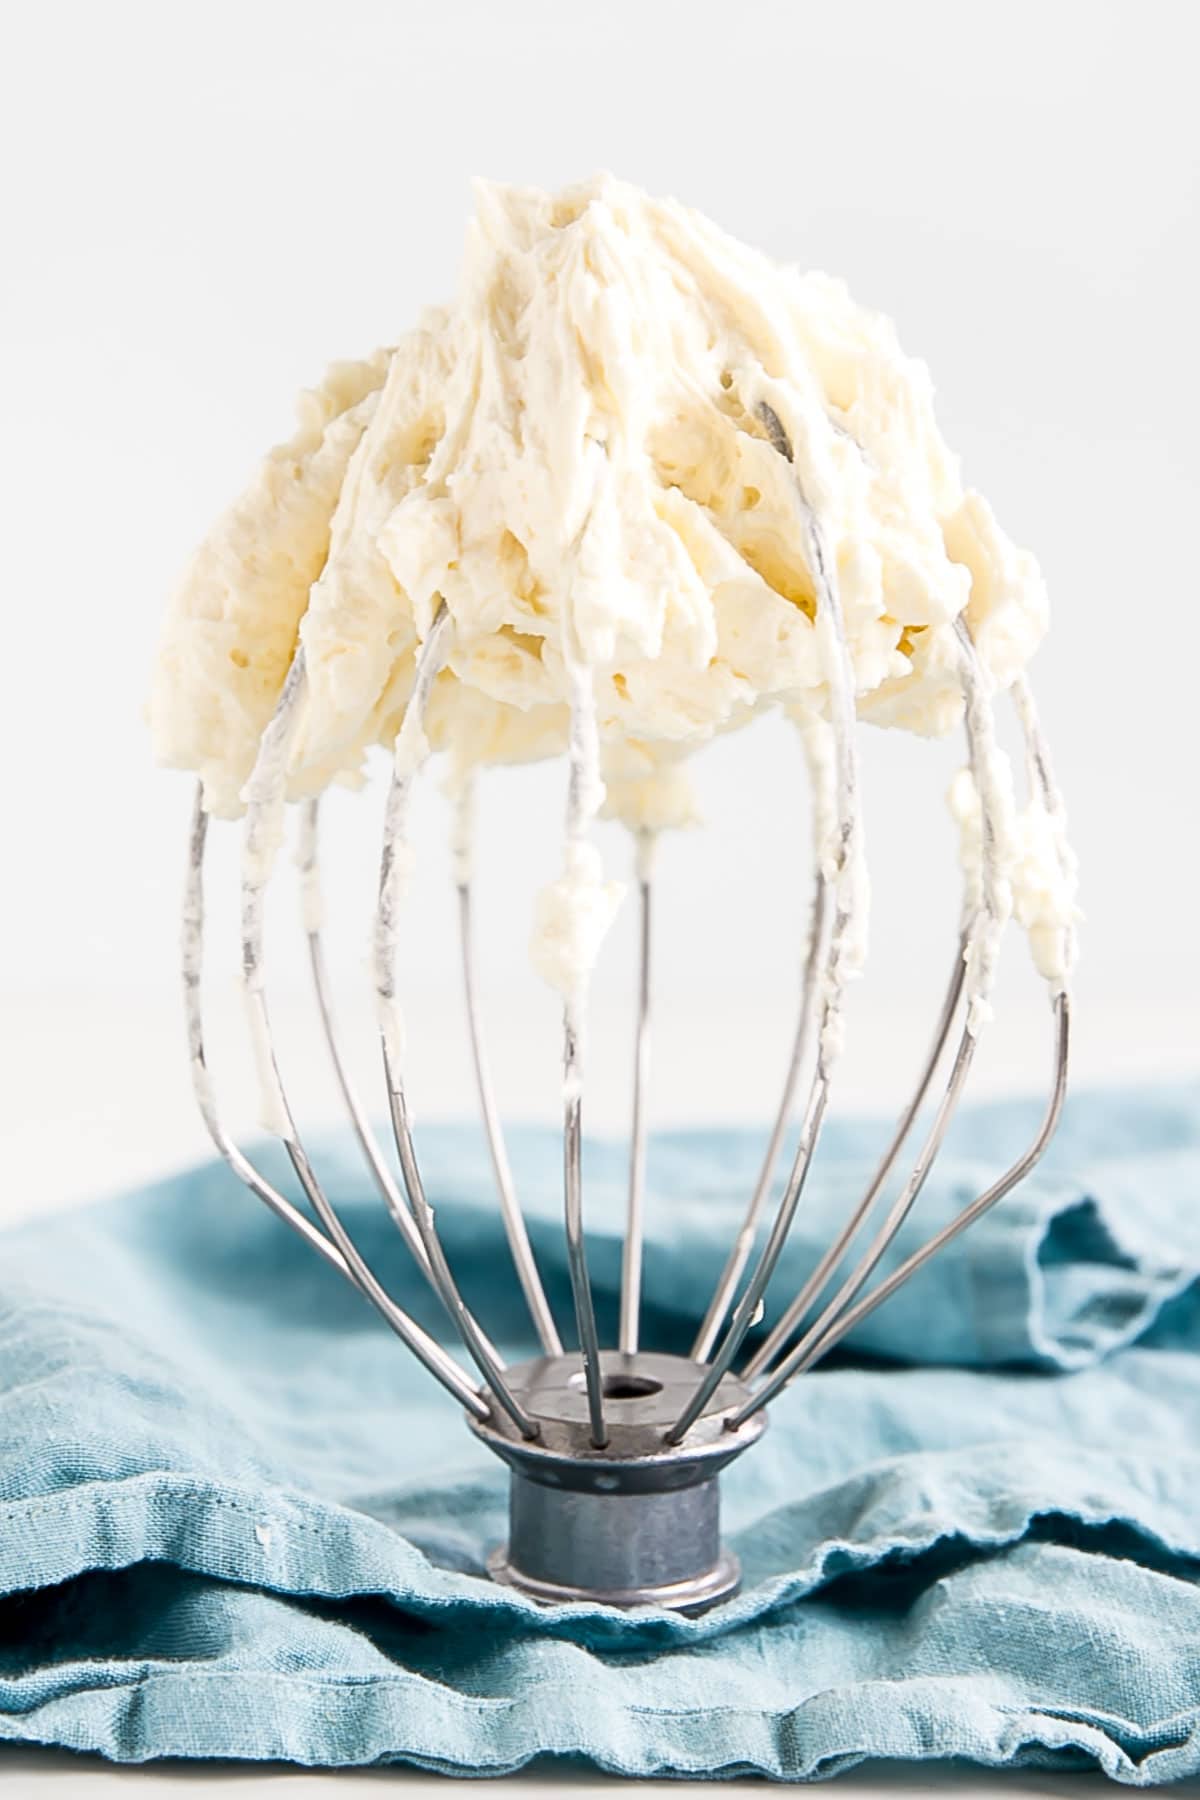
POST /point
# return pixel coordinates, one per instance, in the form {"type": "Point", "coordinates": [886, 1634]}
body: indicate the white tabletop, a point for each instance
{"type": "Point", "coordinates": [61, 1776]}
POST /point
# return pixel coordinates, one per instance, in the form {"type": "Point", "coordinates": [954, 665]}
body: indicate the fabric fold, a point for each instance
{"type": "Point", "coordinates": [237, 1520]}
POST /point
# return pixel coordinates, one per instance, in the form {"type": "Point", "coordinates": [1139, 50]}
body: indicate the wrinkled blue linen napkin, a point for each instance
{"type": "Point", "coordinates": [236, 1520]}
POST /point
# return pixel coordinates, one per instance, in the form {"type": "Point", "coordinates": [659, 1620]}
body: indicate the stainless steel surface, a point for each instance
{"type": "Point", "coordinates": [779, 1334]}
{"type": "Point", "coordinates": [381, 1175]}
{"type": "Point", "coordinates": [841, 1316]}
{"type": "Point", "coordinates": [631, 1256]}
{"type": "Point", "coordinates": [510, 1208]}
{"type": "Point", "coordinates": [743, 1245]}
{"type": "Point", "coordinates": [581, 1286]}
{"type": "Point", "coordinates": [637, 1523]}
{"type": "Point", "coordinates": [583, 753]}
{"type": "Point", "coordinates": [830, 980]}
{"type": "Point", "coordinates": [852, 1316]}
{"type": "Point", "coordinates": [398, 1209]}
{"type": "Point", "coordinates": [896, 1216]}
{"type": "Point", "coordinates": [429, 663]}
{"type": "Point", "coordinates": [424, 1347]}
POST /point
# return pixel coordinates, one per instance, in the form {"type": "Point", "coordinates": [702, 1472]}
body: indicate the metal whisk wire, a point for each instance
{"type": "Point", "coordinates": [835, 958]}
{"type": "Point", "coordinates": [582, 724]}
{"type": "Point", "coordinates": [820, 1341]}
{"type": "Point", "coordinates": [308, 863]}
{"type": "Point", "coordinates": [845, 1312]}
{"type": "Point", "coordinates": [510, 1209]}
{"type": "Point", "coordinates": [395, 842]}
{"type": "Point", "coordinates": [989, 914]}
{"type": "Point", "coordinates": [672, 1422]}
{"type": "Point", "coordinates": [743, 1244]}
{"type": "Point", "coordinates": [426, 1348]}
{"type": "Point", "coordinates": [631, 1254]}
{"type": "Point", "coordinates": [814, 1284]}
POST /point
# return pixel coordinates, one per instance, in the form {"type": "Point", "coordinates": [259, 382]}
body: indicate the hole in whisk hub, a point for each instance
{"type": "Point", "coordinates": [619, 1387]}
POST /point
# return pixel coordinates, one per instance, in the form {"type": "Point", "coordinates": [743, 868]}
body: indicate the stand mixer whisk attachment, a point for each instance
{"type": "Point", "coordinates": [615, 1453]}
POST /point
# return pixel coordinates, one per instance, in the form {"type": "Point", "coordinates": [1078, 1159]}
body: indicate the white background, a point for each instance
{"type": "Point", "coordinates": [206, 203]}
{"type": "Point", "coordinates": [209, 202]}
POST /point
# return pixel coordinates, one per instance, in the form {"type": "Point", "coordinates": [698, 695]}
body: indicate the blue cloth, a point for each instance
{"type": "Point", "coordinates": [237, 1521]}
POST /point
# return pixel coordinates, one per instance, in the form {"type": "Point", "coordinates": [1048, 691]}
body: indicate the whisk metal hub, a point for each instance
{"type": "Point", "coordinates": [634, 1523]}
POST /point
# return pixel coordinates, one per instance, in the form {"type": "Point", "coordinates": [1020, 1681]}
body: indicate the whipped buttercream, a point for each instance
{"type": "Point", "coordinates": [619, 461]}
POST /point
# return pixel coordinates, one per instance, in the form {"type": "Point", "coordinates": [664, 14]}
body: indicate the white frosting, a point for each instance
{"type": "Point", "coordinates": [232, 626]}
{"type": "Point", "coordinates": [816, 739]}
{"type": "Point", "coordinates": [273, 1113]}
{"type": "Point", "coordinates": [263, 834]}
{"type": "Point", "coordinates": [1044, 887]}
{"type": "Point", "coordinates": [462, 835]}
{"type": "Point", "coordinates": [398, 861]}
{"type": "Point", "coordinates": [192, 963]}
{"type": "Point", "coordinates": [1046, 877]}
{"type": "Point", "coordinates": [989, 866]}
{"type": "Point", "coordinates": [577, 458]}
{"type": "Point", "coordinates": [963, 801]}
{"type": "Point", "coordinates": [571, 918]}
{"type": "Point", "coordinates": [312, 911]}
{"type": "Point", "coordinates": [1040, 866]}
{"type": "Point", "coordinates": [572, 914]}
